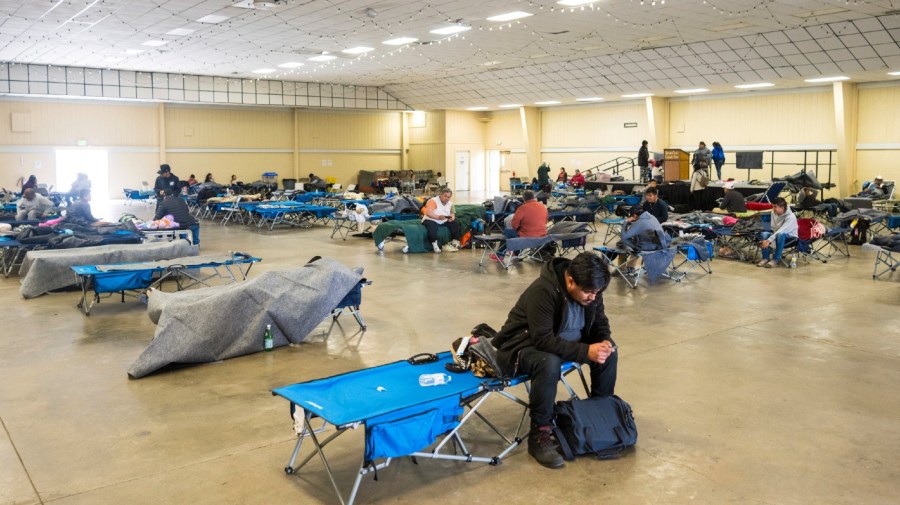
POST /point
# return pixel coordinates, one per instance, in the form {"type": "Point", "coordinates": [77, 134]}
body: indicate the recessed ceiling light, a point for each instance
{"type": "Point", "coordinates": [490, 63]}
{"type": "Point", "coordinates": [357, 50]}
{"type": "Point", "coordinates": [692, 90]}
{"type": "Point", "coordinates": [399, 41]}
{"type": "Point", "coordinates": [263, 70]}
{"type": "Point", "coordinates": [290, 64]}
{"type": "Point", "coordinates": [450, 30]}
{"type": "Point", "coordinates": [155, 43]}
{"type": "Point", "coordinates": [730, 26]}
{"type": "Point", "coordinates": [575, 3]}
{"type": "Point", "coordinates": [589, 99]}
{"type": "Point", "coordinates": [510, 105]}
{"type": "Point", "coordinates": [509, 16]}
{"type": "Point", "coordinates": [829, 79]}
{"type": "Point", "coordinates": [754, 85]}
{"type": "Point", "coordinates": [476, 108]}
{"type": "Point", "coordinates": [323, 57]}
{"type": "Point", "coordinates": [212, 19]}
{"type": "Point", "coordinates": [893, 73]}
{"type": "Point", "coordinates": [637, 95]}
{"type": "Point", "coordinates": [180, 31]}
{"type": "Point", "coordinates": [134, 51]}
{"type": "Point", "coordinates": [548, 102]}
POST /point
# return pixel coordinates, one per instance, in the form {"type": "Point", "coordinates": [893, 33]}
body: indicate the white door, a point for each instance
{"type": "Point", "coordinates": [495, 164]}
{"type": "Point", "coordinates": [93, 162]}
{"type": "Point", "coordinates": [462, 171]}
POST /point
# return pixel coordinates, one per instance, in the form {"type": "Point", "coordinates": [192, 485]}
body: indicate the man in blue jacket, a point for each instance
{"type": "Point", "coordinates": [560, 317]}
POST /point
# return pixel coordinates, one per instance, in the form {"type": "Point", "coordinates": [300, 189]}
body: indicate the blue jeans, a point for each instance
{"type": "Point", "coordinates": [780, 240]}
{"type": "Point", "coordinates": [508, 233]}
{"type": "Point", "coordinates": [719, 164]}
{"type": "Point", "coordinates": [195, 231]}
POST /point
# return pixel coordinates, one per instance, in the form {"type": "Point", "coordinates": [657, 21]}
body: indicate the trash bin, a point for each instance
{"type": "Point", "coordinates": [270, 177]}
{"type": "Point", "coordinates": [288, 183]}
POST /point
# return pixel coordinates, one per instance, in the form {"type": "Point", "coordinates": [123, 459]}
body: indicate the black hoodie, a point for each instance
{"type": "Point", "coordinates": [538, 315]}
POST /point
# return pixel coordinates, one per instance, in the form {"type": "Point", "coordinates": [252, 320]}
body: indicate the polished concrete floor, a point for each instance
{"type": "Point", "coordinates": [749, 386]}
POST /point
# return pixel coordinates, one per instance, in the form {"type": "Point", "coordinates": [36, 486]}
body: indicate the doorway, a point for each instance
{"type": "Point", "coordinates": [462, 171]}
{"type": "Point", "coordinates": [495, 165]}
{"type": "Point", "coordinates": [93, 162]}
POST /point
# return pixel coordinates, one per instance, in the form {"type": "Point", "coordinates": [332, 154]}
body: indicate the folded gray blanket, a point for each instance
{"type": "Point", "coordinates": [221, 322]}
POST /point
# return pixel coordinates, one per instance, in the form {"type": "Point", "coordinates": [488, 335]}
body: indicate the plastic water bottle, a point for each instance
{"type": "Point", "coordinates": [434, 379]}
{"type": "Point", "coordinates": [268, 342]}
{"type": "Point", "coordinates": [794, 260]}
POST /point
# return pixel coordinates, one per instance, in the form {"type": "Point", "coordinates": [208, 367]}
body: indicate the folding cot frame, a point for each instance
{"type": "Point", "coordinates": [632, 276]}
{"type": "Point", "coordinates": [884, 259]}
{"type": "Point", "coordinates": [472, 396]}
{"type": "Point", "coordinates": [185, 276]}
{"type": "Point", "coordinates": [292, 214]}
{"type": "Point", "coordinates": [528, 247]}
{"type": "Point", "coordinates": [12, 254]}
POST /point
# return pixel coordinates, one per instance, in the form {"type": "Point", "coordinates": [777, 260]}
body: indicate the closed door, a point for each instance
{"type": "Point", "coordinates": [462, 171]}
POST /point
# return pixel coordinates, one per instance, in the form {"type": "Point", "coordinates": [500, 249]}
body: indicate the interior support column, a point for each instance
{"type": "Point", "coordinates": [161, 125]}
{"type": "Point", "coordinates": [531, 131]}
{"type": "Point", "coordinates": [846, 119]}
{"type": "Point", "coordinates": [296, 138]}
{"type": "Point", "coordinates": [404, 141]}
{"type": "Point", "coordinates": [658, 123]}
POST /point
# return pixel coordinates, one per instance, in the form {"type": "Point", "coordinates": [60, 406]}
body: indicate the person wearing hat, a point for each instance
{"type": "Point", "coordinates": [166, 182]}
{"type": "Point", "coordinates": [733, 201]}
{"type": "Point", "coordinates": [875, 189]}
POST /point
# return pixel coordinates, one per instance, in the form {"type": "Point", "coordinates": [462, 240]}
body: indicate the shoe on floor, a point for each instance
{"type": "Point", "coordinates": [449, 248]}
{"type": "Point", "coordinates": [436, 247]}
{"type": "Point", "coordinates": [542, 448]}
{"type": "Point", "coordinates": [771, 264]}
{"type": "Point", "coordinates": [762, 263]}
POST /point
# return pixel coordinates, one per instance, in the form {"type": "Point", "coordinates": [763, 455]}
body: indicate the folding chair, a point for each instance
{"type": "Point", "coordinates": [884, 260]}
{"type": "Point", "coordinates": [836, 240]}
{"type": "Point", "coordinates": [613, 228]}
{"type": "Point", "coordinates": [351, 303]}
{"type": "Point", "coordinates": [234, 211]}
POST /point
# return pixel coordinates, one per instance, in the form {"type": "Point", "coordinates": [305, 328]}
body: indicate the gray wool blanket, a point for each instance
{"type": "Point", "coordinates": [44, 271]}
{"type": "Point", "coordinates": [221, 322]}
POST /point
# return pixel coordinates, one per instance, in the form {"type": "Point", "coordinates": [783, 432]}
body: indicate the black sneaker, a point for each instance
{"type": "Point", "coordinates": [543, 449]}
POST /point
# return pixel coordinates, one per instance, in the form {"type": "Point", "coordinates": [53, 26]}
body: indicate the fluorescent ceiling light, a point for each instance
{"type": "Point", "coordinates": [450, 30]}
{"type": "Point", "coordinates": [509, 16]}
{"type": "Point", "coordinates": [510, 105]}
{"type": "Point", "coordinates": [399, 41]}
{"type": "Point", "coordinates": [155, 43]}
{"type": "Point", "coordinates": [637, 95]}
{"type": "Point", "coordinates": [693, 90]}
{"type": "Point", "coordinates": [730, 26]}
{"type": "Point", "coordinates": [323, 57]}
{"type": "Point", "coordinates": [822, 12]}
{"type": "Point", "coordinates": [754, 85]}
{"type": "Point", "coordinates": [490, 63]}
{"type": "Point", "coordinates": [476, 108]}
{"type": "Point", "coordinates": [548, 102]}
{"type": "Point", "coordinates": [134, 51]}
{"type": "Point", "coordinates": [589, 99]}
{"type": "Point", "coordinates": [263, 70]}
{"type": "Point", "coordinates": [829, 79]}
{"type": "Point", "coordinates": [575, 3]}
{"type": "Point", "coordinates": [357, 50]}
{"type": "Point", "coordinates": [290, 64]}
{"type": "Point", "coordinates": [180, 31]}
{"type": "Point", "coordinates": [893, 73]}
{"type": "Point", "coordinates": [212, 19]}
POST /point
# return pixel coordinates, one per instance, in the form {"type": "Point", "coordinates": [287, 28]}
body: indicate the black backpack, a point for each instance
{"type": "Point", "coordinates": [600, 425]}
{"type": "Point", "coordinates": [859, 234]}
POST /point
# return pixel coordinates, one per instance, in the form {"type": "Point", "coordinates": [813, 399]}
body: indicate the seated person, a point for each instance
{"type": "Point", "coordinates": [209, 178]}
{"type": "Point", "coordinates": [651, 184]}
{"type": "Point", "coordinates": [360, 214]}
{"type": "Point", "coordinates": [563, 176]}
{"type": "Point", "coordinates": [656, 171]}
{"type": "Point", "coordinates": [529, 220]}
{"type": "Point", "coordinates": [654, 205]}
{"type": "Point", "coordinates": [177, 207]}
{"type": "Point", "coordinates": [806, 199]}
{"type": "Point", "coordinates": [80, 212]}
{"type": "Point", "coordinates": [315, 183]}
{"type": "Point", "coordinates": [81, 182]}
{"type": "Point", "coordinates": [784, 226]}
{"type": "Point", "coordinates": [577, 180]}
{"type": "Point", "coordinates": [733, 201]}
{"type": "Point", "coordinates": [560, 317]}
{"type": "Point", "coordinates": [192, 181]}
{"type": "Point", "coordinates": [875, 189]}
{"type": "Point", "coordinates": [32, 205]}
{"type": "Point", "coordinates": [439, 212]}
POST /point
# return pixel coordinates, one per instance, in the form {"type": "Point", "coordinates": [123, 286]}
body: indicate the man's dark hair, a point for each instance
{"type": "Point", "coordinates": [644, 143]}
{"type": "Point", "coordinates": [528, 195]}
{"type": "Point", "coordinates": [651, 191]}
{"type": "Point", "coordinates": [84, 193]}
{"type": "Point", "coordinates": [781, 202]}
{"type": "Point", "coordinates": [590, 272]}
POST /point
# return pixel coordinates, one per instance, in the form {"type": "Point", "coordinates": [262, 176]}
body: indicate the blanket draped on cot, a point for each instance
{"type": "Point", "coordinates": [44, 271]}
{"type": "Point", "coordinates": [221, 322]}
{"type": "Point", "coordinates": [417, 236]}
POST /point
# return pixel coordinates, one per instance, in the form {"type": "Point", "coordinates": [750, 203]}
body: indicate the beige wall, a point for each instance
{"type": "Point", "coordinates": [427, 145]}
{"type": "Point", "coordinates": [595, 126]}
{"type": "Point", "coordinates": [466, 133]}
{"type": "Point", "coordinates": [879, 123]}
{"type": "Point", "coordinates": [504, 131]}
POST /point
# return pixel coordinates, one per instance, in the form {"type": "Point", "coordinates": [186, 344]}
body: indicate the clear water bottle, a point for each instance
{"type": "Point", "coordinates": [434, 379]}
{"type": "Point", "coordinates": [268, 342]}
{"type": "Point", "coordinates": [794, 260]}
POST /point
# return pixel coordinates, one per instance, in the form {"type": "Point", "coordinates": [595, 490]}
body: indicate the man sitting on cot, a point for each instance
{"type": "Point", "coordinates": [529, 220]}
{"type": "Point", "coordinates": [438, 213]}
{"type": "Point", "coordinates": [560, 317]}
{"type": "Point", "coordinates": [733, 201]}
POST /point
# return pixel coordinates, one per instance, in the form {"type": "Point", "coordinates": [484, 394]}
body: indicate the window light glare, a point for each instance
{"type": "Point", "coordinates": [212, 19]}
{"type": "Point", "coordinates": [450, 30]}
{"type": "Point", "coordinates": [692, 90]}
{"type": "Point", "coordinates": [509, 16]}
{"type": "Point", "coordinates": [829, 79]}
{"type": "Point", "coordinates": [476, 108]}
{"type": "Point", "coordinates": [399, 41]}
{"type": "Point", "coordinates": [155, 43]}
{"type": "Point", "coordinates": [548, 102]}
{"type": "Point", "coordinates": [637, 95]}
{"type": "Point", "coordinates": [290, 64]}
{"type": "Point", "coordinates": [263, 70]}
{"type": "Point", "coordinates": [357, 50]}
{"type": "Point", "coordinates": [754, 85]}
{"type": "Point", "coordinates": [323, 57]}
{"type": "Point", "coordinates": [589, 99]}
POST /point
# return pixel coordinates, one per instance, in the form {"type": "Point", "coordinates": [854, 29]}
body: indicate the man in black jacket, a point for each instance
{"type": "Point", "coordinates": [178, 209]}
{"type": "Point", "coordinates": [560, 317]}
{"type": "Point", "coordinates": [643, 159]}
{"type": "Point", "coordinates": [167, 181]}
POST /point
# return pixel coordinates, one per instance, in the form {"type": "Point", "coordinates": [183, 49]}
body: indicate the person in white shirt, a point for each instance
{"type": "Point", "coordinates": [32, 205]}
{"type": "Point", "coordinates": [438, 213]}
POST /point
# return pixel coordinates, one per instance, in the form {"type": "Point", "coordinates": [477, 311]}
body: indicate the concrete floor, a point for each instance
{"type": "Point", "coordinates": [749, 386]}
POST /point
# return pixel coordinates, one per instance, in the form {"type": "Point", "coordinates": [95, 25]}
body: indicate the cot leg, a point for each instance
{"type": "Point", "coordinates": [289, 469]}
{"type": "Point", "coordinates": [358, 317]}
{"type": "Point", "coordinates": [312, 435]}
